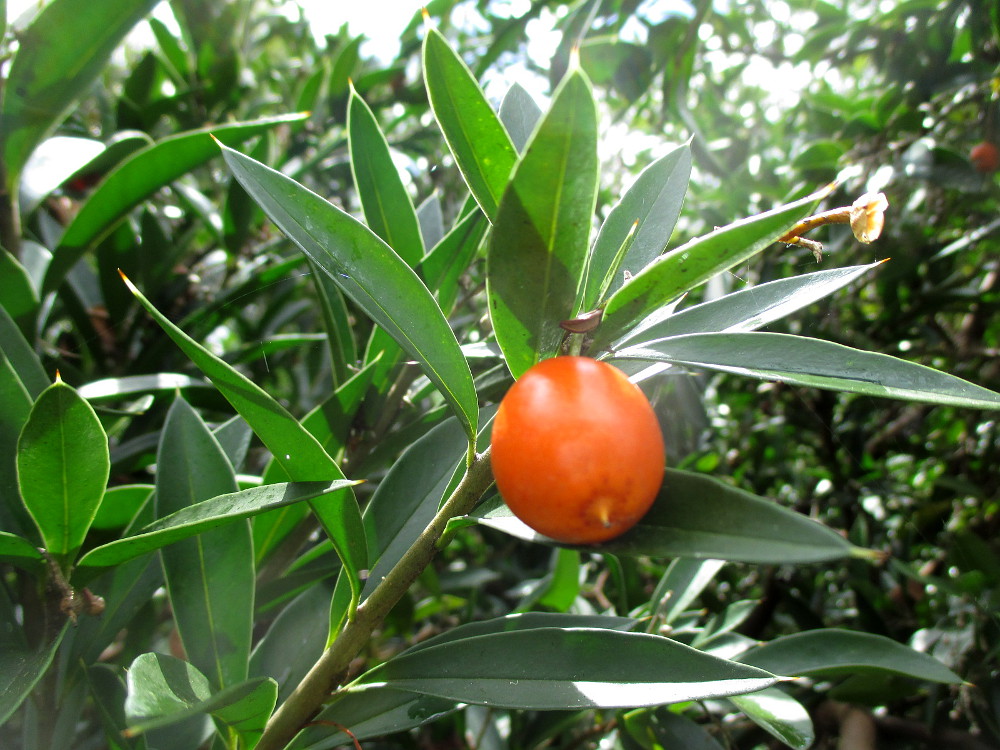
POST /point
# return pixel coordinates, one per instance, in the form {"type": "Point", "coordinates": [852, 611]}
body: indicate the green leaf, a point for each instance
{"type": "Point", "coordinates": [130, 386]}
{"type": "Point", "coordinates": [21, 355]}
{"type": "Point", "coordinates": [60, 55]}
{"type": "Point", "coordinates": [552, 668]}
{"type": "Point", "coordinates": [367, 270]}
{"type": "Point", "coordinates": [692, 264]}
{"type": "Point", "coordinates": [127, 589]}
{"type": "Point", "coordinates": [337, 323]}
{"type": "Point", "coordinates": [655, 201]}
{"type": "Point", "coordinates": [450, 258]}
{"type": "Point", "coordinates": [684, 579]}
{"type": "Point", "coordinates": [829, 652]}
{"type": "Point", "coordinates": [329, 422]}
{"type": "Point", "coordinates": [818, 364]}
{"type": "Point", "coordinates": [387, 205]}
{"type": "Point", "coordinates": [15, 406]}
{"type": "Point", "coordinates": [302, 457]}
{"type": "Point", "coordinates": [210, 577]}
{"type": "Point", "coordinates": [163, 690]}
{"type": "Point", "coordinates": [19, 298]}
{"type": "Point", "coordinates": [541, 234]}
{"type": "Point", "coordinates": [18, 551]}
{"type": "Point", "coordinates": [375, 712]}
{"type": "Point", "coordinates": [63, 466]}
{"type": "Point", "coordinates": [519, 115]}
{"type": "Point", "coordinates": [747, 309]}
{"type": "Point", "coordinates": [139, 177]}
{"type": "Point", "coordinates": [409, 496]}
{"type": "Point", "coordinates": [477, 139]}
{"type": "Point", "coordinates": [52, 163]}
{"type": "Point", "coordinates": [248, 712]}
{"type": "Point", "coordinates": [21, 667]}
{"type": "Point", "coordinates": [388, 211]}
{"type": "Point", "coordinates": [780, 715]}
{"type": "Point", "coordinates": [701, 517]}
{"type": "Point", "coordinates": [668, 730]}
{"type": "Point", "coordinates": [203, 516]}
{"type": "Point", "coordinates": [294, 641]}
{"type": "Point", "coordinates": [560, 587]}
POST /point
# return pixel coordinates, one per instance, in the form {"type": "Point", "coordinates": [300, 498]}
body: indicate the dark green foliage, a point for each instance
{"type": "Point", "coordinates": [253, 509]}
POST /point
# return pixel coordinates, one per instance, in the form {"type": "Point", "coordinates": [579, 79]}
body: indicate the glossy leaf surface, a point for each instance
{"type": "Point", "coordinates": [746, 309]}
{"type": "Point", "coordinates": [210, 577]}
{"type": "Point", "coordinates": [563, 668]}
{"type": "Point", "coordinates": [692, 264]}
{"type": "Point", "coordinates": [800, 360]}
{"type": "Point", "coordinates": [540, 239]}
{"type": "Point", "coordinates": [701, 517]}
{"type": "Point", "coordinates": [63, 464]}
{"type": "Point", "coordinates": [60, 55]}
{"type": "Point", "coordinates": [478, 141]}
{"type": "Point", "coordinates": [654, 200]}
{"type": "Point", "coordinates": [164, 690]}
{"type": "Point", "coordinates": [780, 715]}
{"type": "Point", "coordinates": [368, 272]}
{"type": "Point", "coordinates": [206, 515]}
{"type": "Point", "coordinates": [839, 652]}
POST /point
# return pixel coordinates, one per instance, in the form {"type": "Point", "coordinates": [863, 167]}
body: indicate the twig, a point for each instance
{"type": "Point", "coordinates": [317, 685]}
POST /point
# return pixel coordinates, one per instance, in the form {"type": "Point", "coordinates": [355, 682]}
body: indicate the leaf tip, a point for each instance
{"type": "Point", "coordinates": [127, 281]}
{"type": "Point", "coordinates": [58, 377]}
{"type": "Point", "coordinates": [871, 555]}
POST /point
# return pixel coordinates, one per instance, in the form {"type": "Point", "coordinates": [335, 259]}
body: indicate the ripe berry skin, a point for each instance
{"type": "Point", "coordinates": [985, 157]}
{"type": "Point", "coordinates": [577, 450]}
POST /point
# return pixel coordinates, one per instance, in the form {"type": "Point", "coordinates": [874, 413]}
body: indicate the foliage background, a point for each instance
{"type": "Point", "coordinates": [901, 89]}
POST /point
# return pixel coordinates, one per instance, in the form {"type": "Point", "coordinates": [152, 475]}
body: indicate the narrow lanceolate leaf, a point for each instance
{"type": "Point", "coordinates": [387, 206]}
{"type": "Point", "coordinates": [747, 309]}
{"type": "Point", "coordinates": [163, 690]}
{"type": "Point", "coordinates": [210, 577]}
{"type": "Point", "coordinates": [298, 452]}
{"type": "Point", "coordinates": [368, 272]}
{"type": "Point", "coordinates": [201, 517]}
{"type": "Point", "coordinates": [839, 652]}
{"type": "Point", "coordinates": [818, 364]}
{"type": "Point", "coordinates": [137, 178]}
{"type": "Point", "coordinates": [388, 211]}
{"type": "Point", "coordinates": [654, 200]}
{"type": "Point", "coordinates": [541, 233]}
{"type": "Point", "coordinates": [692, 264]}
{"type": "Point", "coordinates": [60, 55]}
{"type": "Point", "coordinates": [302, 457]}
{"type": "Point", "coordinates": [63, 465]}
{"type": "Point", "coordinates": [551, 668]}
{"type": "Point", "coordinates": [780, 715]}
{"type": "Point", "coordinates": [701, 517]}
{"type": "Point", "coordinates": [475, 135]}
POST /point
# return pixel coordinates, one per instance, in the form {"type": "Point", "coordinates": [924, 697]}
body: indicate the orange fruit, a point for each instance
{"type": "Point", "coordinates": [985, 157]}
{"type": "Point", "coordinates": [577, 450]}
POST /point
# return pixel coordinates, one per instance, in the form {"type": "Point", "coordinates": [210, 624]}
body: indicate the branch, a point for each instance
{"type": "Point", "coordinates": [326, 673]}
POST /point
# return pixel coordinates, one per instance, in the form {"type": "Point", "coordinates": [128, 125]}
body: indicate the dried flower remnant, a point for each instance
{"type": "Point", "coordinates": [866, 217]}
